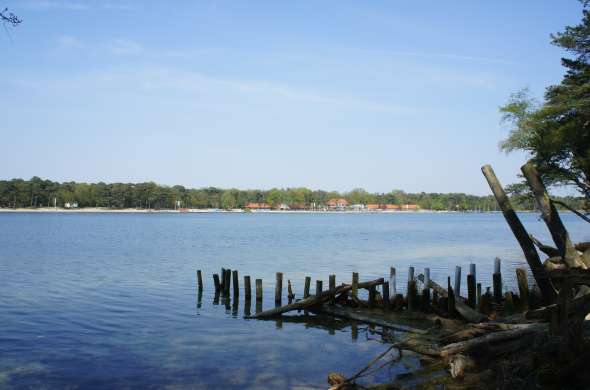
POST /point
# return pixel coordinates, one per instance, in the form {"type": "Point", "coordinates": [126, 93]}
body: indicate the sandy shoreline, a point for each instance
{"type": "Point", "coordinates": [146, 211]}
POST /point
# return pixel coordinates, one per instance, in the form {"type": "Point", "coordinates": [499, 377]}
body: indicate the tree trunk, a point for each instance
{"type": "Point", "coordinates": [528, 248]}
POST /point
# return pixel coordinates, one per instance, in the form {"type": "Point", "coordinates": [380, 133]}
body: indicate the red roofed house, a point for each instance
{"type": "Point", "coordinates": [337, 203]}
{"type": "Point", "coordinates": [410, 207]}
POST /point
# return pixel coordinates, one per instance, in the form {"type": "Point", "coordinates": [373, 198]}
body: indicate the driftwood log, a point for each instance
{"type": "Point", "coordinates": [316, 299]}
{"type": "Point", "coordinates": [551, 217]}
{"type": "Point", "coordinates": [528, 247]}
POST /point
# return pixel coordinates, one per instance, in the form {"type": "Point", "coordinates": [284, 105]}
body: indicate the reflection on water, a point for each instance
{"type": "Point", "coordinates": [109, 301]}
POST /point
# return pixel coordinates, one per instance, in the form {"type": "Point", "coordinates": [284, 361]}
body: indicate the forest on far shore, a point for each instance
{"type": "Point", "coordinates": [36, 192]}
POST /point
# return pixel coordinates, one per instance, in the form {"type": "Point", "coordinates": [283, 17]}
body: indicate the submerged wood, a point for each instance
{"type": "Point", "coordinates": [315, 300]}
{"type": "Point", "coordinates": [528, 247]}
{"type": "Point", "coordinates": [366, 317]}
{"type": "Point", "coordinates": [460, 306]}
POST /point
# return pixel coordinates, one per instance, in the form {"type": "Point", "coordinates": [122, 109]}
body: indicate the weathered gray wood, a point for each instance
{"type": "Point", "coordinates": [457, 286]}
{"type": "Point", "coordinates": [386, 296]}
{"type": "Point", "coordinates": [279, 287]}
{"type": "Point", "coordinates": [465, 311]}
{"type": "Point", "coordinates": [471, 293]}
{"type": "Point", "coordinates": [259, 290]}
{"type": "Point", "coordinates": [355, 283]}
{"type": "Point", "coordinates": [306, 287]}
{"type": "Point", "coordinates": [318, 288]}
{"type": "Point", "coordinates": [358, 315]}
{"type": "Point", "coordinates": [332, 286]}
{"type": "Point", "coordinates": [472, 271]}
{"type": "Point", "coordinates": [523, 238]}
{"type": "Point", "coordinates": [236, 283]}
{"type": "Point", "coordinates": [450, 297]}
{"type": "Point", "coordinates": [313, 300]}
{"type": "Point", "coordinates": [247, 288]}
{"type": "Point", "coordinates": [551, 217]}
{"type": "Point", "coordinates": [478, 303]}
{"type": "Point", "coordinates": [497, 268]}
{"type": "Point", "coordinates": [199, 280]}
{"type": "Point", "coordinates": [523, 288]}
{"type": "Point", "coordinates": [412, 296]}
{"type": "Point", "coordinates": [290, 294]}
{"type": "Point", "coordinates": [216, 283]}
{"type": "Point", "coordinates": [517, 332]}
{"type": "Point", "coordinates": [392, 283]}
{"type": "Point", "coordinates": [227, 281]}
{"type": "Point", "coordinates": [497, 284]}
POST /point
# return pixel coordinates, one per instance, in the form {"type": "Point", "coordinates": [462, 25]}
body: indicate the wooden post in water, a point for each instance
{"type": "Point", "coordinates": [216, 283]}
{"type": "Point", "coordinates": [392, 286]}
{"type": "Point", "coordinates": [386, 296]}
{"type": "Point", "coordinates": [457, 281]}
{"type": "Point", "coordinates": [199, 281]}
{"type": "Point", "coordinates": [471, 293]}
{"type": "Point", "coordinates": [290, 294]}
{"type": "Point", "coordinates": [523, 288]}
{"type": "Point", "coordinates": [372, 295]}
{"type": "Point", "coordinates": [426, 289]}
{"type": "Point", "coordinates": [307, 287]}
{"type": "Point", "coordinates": [412, 295]}
{"type": "Point", "coordinates": [279, 288]}
{"type": "Point", "coordinates": [332, 287]}
{"type": "Point", "coordinates": [222, 277]}
{"type": "Point", "coordinates": [497, 281]}
{"type": "Point", "coordinates": [355, 285]}
{"type": "Point", "coordinates": [409, 291]}
{"type": "Point", "coordinates": [236, 283]}
{"type": "Point", "coordinates": [478, 297]}
{"type": "Point", "coordinates": [450, 297]}
{"type": "Point", "coordinates": [258, 290]}
{"type": "Point", "coordinates": [227, 281]}
{"type": "Point", "coordinates": [472, 271]}
{"type": "Point", "coordinates": [247, 288]}
{"type": "Point", "coordinates": [318, 288]}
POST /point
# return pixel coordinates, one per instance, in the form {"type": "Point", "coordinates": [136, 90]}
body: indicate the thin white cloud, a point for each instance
{"type": "Point", "coordinates": [45, 5]}
{"type": "Point", "coordinates": [70, 42]}
{"type": "Point", "coordinates": [124, 47]}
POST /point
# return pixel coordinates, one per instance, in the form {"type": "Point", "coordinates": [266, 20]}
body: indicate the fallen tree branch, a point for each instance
{"type": "Point", "coordinates": [579, 214]}
{"type": "Point", "coordinates": [548, 250]}
{"type": "Point", "coordinates": [496, 337]}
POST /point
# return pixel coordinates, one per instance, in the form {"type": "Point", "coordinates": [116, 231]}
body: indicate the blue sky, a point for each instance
{"type": "Point", "coordinates": [259, 94]}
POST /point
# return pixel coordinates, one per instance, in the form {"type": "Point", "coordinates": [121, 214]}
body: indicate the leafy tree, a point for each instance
{"type": "Point", "coordinates": [556, 132]}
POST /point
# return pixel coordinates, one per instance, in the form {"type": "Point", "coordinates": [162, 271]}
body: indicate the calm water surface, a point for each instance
{"type": "Point", "coordinates": [108, 300]}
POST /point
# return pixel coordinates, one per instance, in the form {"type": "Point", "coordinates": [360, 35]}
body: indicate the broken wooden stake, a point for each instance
{"type": "Point", "coordinates": [306, 287]}
{"type": "Point", "coordinates": [279, 287]}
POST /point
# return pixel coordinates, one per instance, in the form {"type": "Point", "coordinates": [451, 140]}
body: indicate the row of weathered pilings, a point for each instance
{"type": "Point", "coordinates": [421, 292]}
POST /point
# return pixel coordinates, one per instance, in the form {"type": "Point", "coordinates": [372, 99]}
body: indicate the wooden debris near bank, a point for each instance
{"type": "Point", "coordinates": [490, 322]}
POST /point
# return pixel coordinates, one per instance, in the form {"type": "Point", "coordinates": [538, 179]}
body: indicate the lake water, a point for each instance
{"type": "Point", "coordinates": [109, 300]}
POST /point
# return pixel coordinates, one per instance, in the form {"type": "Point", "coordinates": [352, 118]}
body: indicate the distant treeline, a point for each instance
{"type": "Point", "coordinates": [37, 192]}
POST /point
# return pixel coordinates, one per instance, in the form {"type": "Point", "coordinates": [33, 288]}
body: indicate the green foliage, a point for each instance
{"type": "Point", "coordinates": [37, 192]}
{"type": "Point", "coordinates": [556, 132]}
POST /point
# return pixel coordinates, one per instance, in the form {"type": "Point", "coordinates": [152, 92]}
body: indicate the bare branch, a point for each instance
{"type": "Point", "coordinates": [9, 17]}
